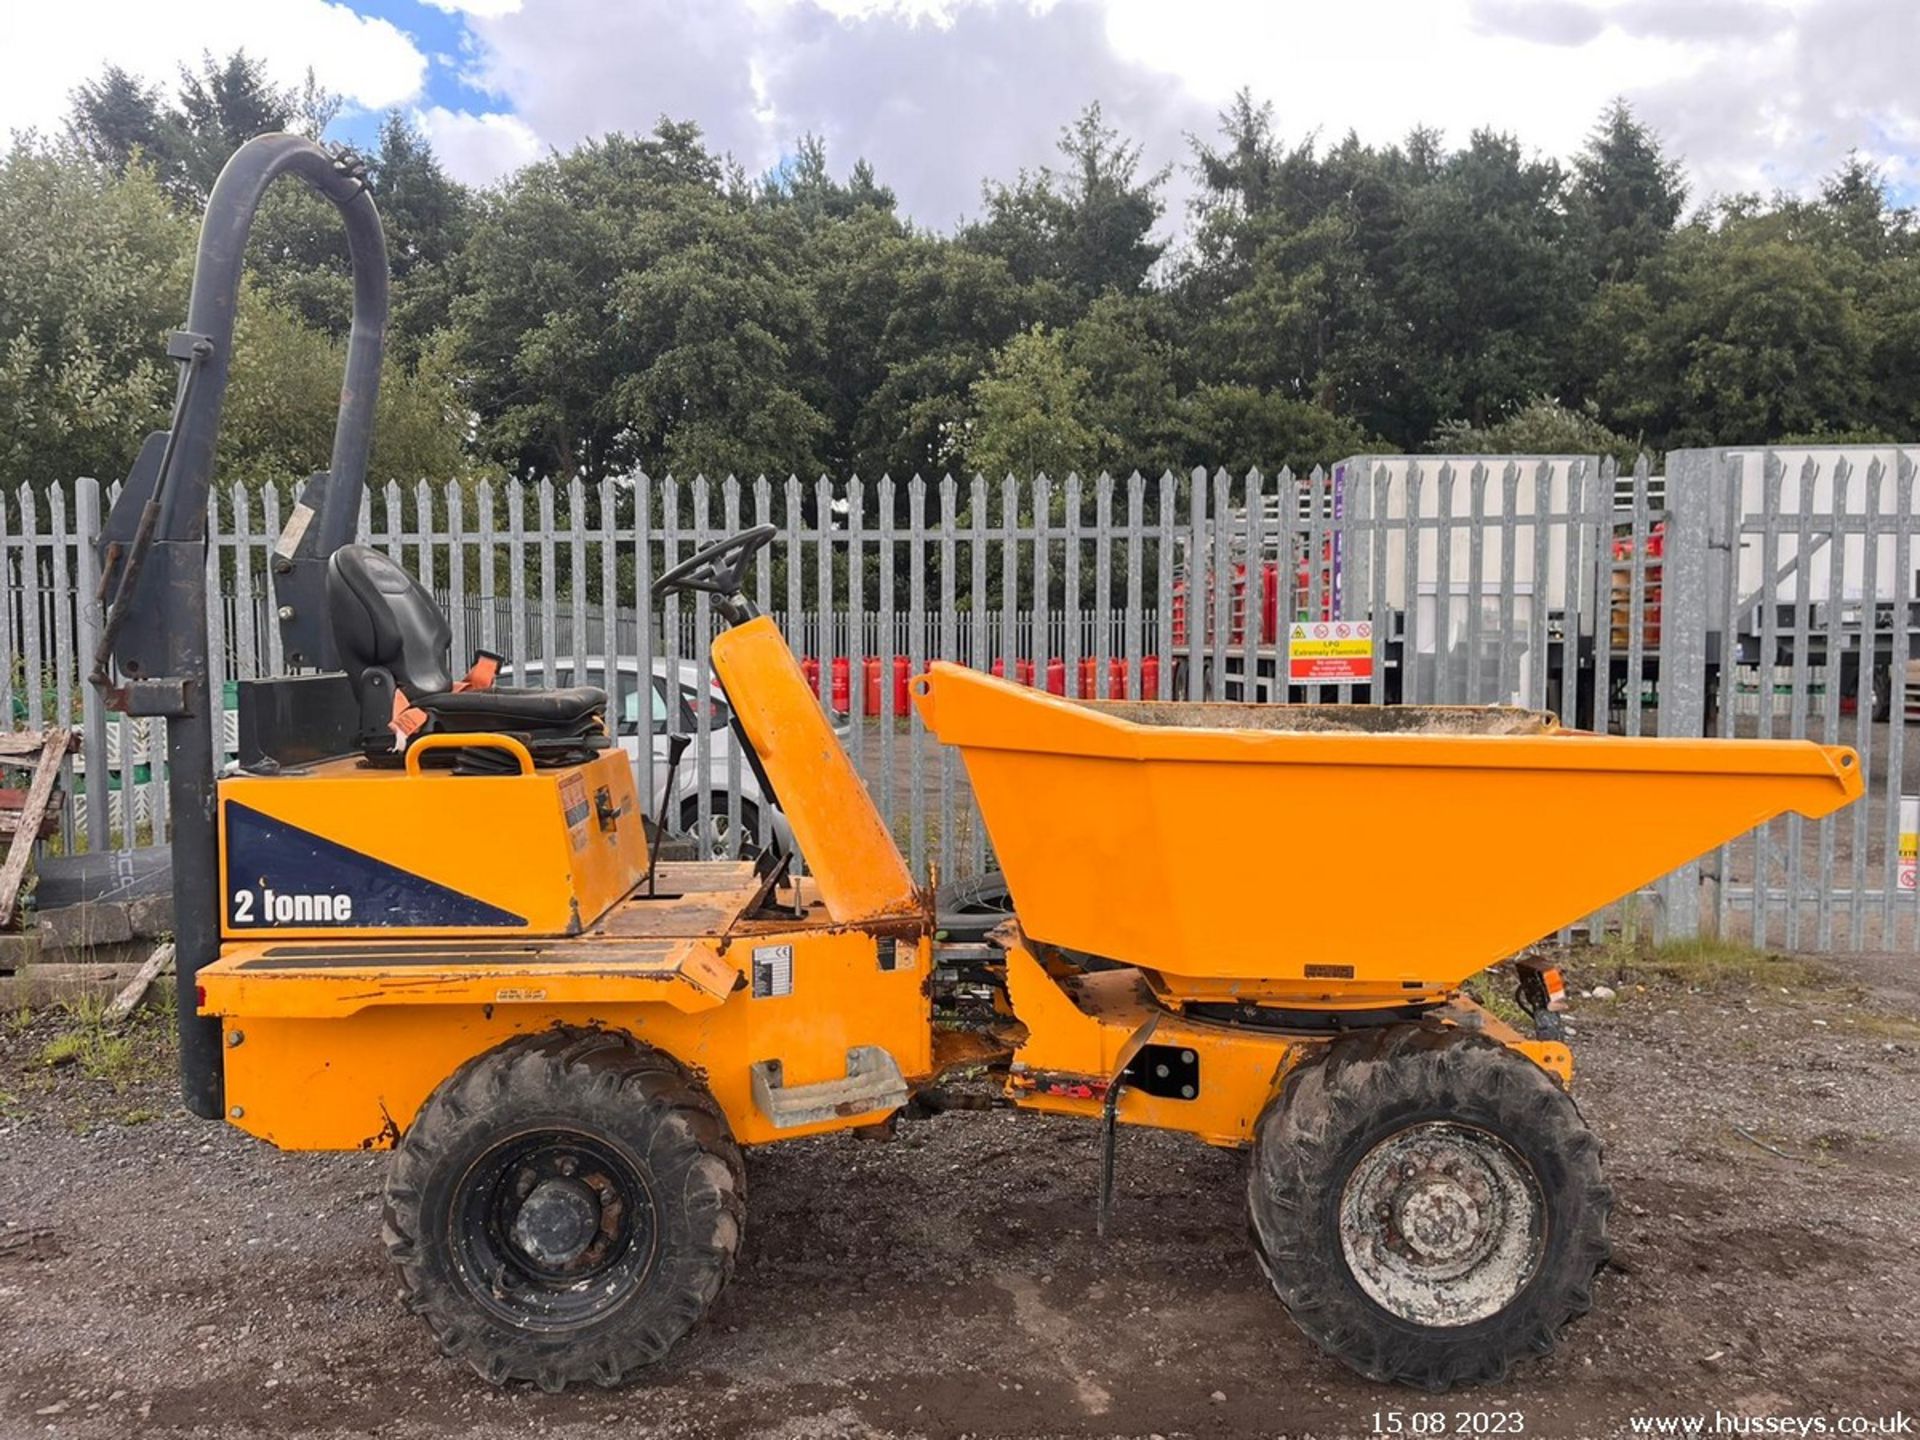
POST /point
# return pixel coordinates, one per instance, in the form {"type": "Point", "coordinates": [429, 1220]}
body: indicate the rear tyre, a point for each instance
{"type": "Point", "coordinates": [565, 1208]}
{"type": "Point", "coordinates": [1428, 1205]}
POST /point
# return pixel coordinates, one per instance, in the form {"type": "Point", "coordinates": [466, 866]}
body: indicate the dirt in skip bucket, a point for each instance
{"type": "Point", "coordinates": [1328, 719]}
{"type": "Point", "coordinates": [175, 1278]}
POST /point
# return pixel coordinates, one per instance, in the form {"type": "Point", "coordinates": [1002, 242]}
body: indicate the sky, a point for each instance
{"type": "Point", "coordinates": [1754, 95]}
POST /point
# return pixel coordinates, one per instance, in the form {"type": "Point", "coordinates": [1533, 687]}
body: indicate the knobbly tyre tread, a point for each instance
{"type": "Point", "coordinates": [613, 1083]}
{"type": "Point", "coordinates": [1330, 1110]}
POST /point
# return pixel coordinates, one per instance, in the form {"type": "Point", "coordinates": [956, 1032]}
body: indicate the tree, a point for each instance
{"type": "Point", "coordinates": [1543, 426]}
{"type": "Point", "coordinates": [1239, 428]}
{"type": "Point", "coordinates": [626, 307]}
{"type": "Point", "coordinates": [1486, 283]}
{"type": "Point", "coordinates": [116, 120]}
{"type": "Point", "coordinates": [1854, 199]}
{"type": "Point", "coordinates": [1733, 335]}
{"type": "Point", "coordinates": [284, 394]}
{"type": "Point", "coordinates": [225, 103]}
{"type": "Point", "coordinates": [1030, 412]}
{"type": "Point", "coordinates": [96, 274]}
{"type": "Point", "coordinates": [186, 138]}
{"type": "Point", "coordinates": [952, 308]}
{"type": "Point", "coordinates": [1087, 227]}
{"type": "Point", "coordinates": [1626, 193]}
{"type": "Point", "coordinates": [1123, 345]}
{"type": "Point", "coordinates": [804, 182]}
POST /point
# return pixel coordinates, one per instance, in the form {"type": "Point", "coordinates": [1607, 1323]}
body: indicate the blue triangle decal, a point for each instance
{"type": "Point", "coordinates": [279, 875]}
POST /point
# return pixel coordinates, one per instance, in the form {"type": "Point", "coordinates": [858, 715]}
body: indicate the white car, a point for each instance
{"type": "Point", "coordinates": [676, 710]}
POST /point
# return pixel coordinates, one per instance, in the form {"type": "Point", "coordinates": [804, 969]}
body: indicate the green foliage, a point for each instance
{"type": "Point", "coordinates": [625, 307]}
{"type": "Point", "coordinates": [277, 427]}
{"type": "Point", "coordinates": [1085, 228]}
{"type": "Point", "coordinates": [639, 303]}
{"type": "Point", "coordinates": [96, 274]}
{"type": "Point", "coordinates": [1239, 428]}
{"type": "Point", "coordinates": [1627, 195]}
{"type": "Point", "coordinates": [186, 138]}
{"type": "Point", "coordinates": [1031, 412]}
{"type": "Point", "coordinates": [116, 1053]}
{"type": "Point", "coordinates": [1734, 334]}
{"type": "Point", "coordinates": [1542, 426]}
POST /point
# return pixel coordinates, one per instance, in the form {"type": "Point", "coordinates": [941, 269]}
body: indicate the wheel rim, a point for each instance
{"type": "Point", "coordinates": [554, 1229]}
{"type": "Point", "coordinates": [716, 836]}
{"type": "Point", "coordinates": [1442, 1224]}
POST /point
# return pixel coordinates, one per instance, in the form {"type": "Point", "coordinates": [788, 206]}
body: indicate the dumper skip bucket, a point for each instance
{"type": "Point", "coordinates": [1378, 846]}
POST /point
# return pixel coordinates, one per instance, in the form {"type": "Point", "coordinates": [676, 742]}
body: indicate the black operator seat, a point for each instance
{"type": "Point", "coordinates": [389, 632]}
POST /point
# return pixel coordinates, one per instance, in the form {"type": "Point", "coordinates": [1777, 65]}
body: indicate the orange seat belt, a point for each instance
{"type": "Point", "coordinates": [483, 672]}
{"type": "Point", "coordinates": [408, 719]}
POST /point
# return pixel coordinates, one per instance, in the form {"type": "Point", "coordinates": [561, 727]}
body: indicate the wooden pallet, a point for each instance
{"type": "Point", "coordinates": [41, 753]}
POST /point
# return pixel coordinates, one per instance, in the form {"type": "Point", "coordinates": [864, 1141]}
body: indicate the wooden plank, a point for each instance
{"type": "Point", "coordinates": [122, 1005]}
{"type": "Point", "coordinates": [12, 821]}
{"type": "Point", "coordinates": [38, 794]}
{"type": "Point", "coordinates": [26, 744]}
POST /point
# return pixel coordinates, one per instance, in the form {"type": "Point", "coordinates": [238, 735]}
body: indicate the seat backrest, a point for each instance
{"type": "Point", "coordinates": [382, 616]}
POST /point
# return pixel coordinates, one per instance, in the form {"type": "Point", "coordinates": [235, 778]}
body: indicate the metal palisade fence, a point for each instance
{"type": "Point", "coordinates": [1764, 592]}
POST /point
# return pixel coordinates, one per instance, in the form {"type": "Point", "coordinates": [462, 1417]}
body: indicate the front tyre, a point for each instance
{"type": "Point", "coordinates": [565, 1207]}
{"type": "Point", "coordinates": [1428, 1205]}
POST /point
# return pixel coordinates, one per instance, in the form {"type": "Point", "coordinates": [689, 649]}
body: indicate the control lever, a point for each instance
{"type": "Point", "coordinates": [676, 747]}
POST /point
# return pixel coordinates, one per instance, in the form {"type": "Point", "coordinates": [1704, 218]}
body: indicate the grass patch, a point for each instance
{"type": "Point", "coordinates": [1492, 990]}
{"type": "Point", "coordinates": [116, 1055]}
{"type": "Point", "coordinates": [1709, 964]}
{"type": "Point", "coordinates": [1882, 1027]}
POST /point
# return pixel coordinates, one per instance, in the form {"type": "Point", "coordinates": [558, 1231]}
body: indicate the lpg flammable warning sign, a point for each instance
{"type": "Point", "coordinates": [1330, 652]}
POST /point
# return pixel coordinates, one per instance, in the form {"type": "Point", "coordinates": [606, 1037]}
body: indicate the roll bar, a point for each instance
{"type": "Point", "coordinates": [153, 546]}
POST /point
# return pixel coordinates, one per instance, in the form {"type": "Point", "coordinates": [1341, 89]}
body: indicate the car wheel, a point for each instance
{"type": "Point", "coordinates": [715, 838]}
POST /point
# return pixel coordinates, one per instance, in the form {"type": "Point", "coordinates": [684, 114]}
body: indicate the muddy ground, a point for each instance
{"type": "Point", "coordinates": [162, 1276]}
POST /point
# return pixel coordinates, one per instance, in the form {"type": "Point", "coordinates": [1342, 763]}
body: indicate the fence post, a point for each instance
{"type": "Point", "coordinates": [93, 715]}
{"type": "Point", "coordinates": [1694, 478]}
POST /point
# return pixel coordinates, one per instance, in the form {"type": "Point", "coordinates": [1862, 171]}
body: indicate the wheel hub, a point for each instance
{"type": "Point", "coordinates": [1439, 1218]}
{"type": "Point", "coordinates": [1442, 1224]}
{"type": "Point", "coordinates": [556, 1223]}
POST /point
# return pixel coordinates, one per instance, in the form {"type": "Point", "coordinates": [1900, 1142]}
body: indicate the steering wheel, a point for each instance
{"type": "Point", "coordinates": [718, 570]}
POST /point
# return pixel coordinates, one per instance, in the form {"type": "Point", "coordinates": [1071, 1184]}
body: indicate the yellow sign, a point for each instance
{"type": "Point", "coordinates": [1330, 652]}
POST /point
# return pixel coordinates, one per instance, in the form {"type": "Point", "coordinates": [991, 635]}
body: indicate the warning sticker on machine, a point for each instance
{"type": "Point", "coordinates": [772, 971]}
{"type": "Point", "coordinates": [573, 800]}
{"type": "Point", "coordinates": [1330, 652]}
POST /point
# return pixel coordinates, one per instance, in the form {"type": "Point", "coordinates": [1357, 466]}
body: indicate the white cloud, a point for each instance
{"type": "Point", "coordinates": [940, 94]}
{"type": "Point", "coordinates": [477, 149]}
{"type": "Point", "coordinates": [486, 8]}
{"type": "Point", "coordinates": [51, 48]}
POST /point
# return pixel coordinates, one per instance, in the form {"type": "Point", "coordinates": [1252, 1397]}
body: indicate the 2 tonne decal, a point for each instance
{"type": "Point", "coordinates": [279, 875]}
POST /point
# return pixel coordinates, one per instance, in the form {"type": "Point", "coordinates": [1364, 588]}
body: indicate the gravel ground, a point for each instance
{"type": "Point", "coordinates": [162, 1276]}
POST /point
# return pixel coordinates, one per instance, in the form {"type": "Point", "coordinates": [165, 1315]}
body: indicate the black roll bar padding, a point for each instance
{"type": "Point", "coordinates": [210, 313]}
